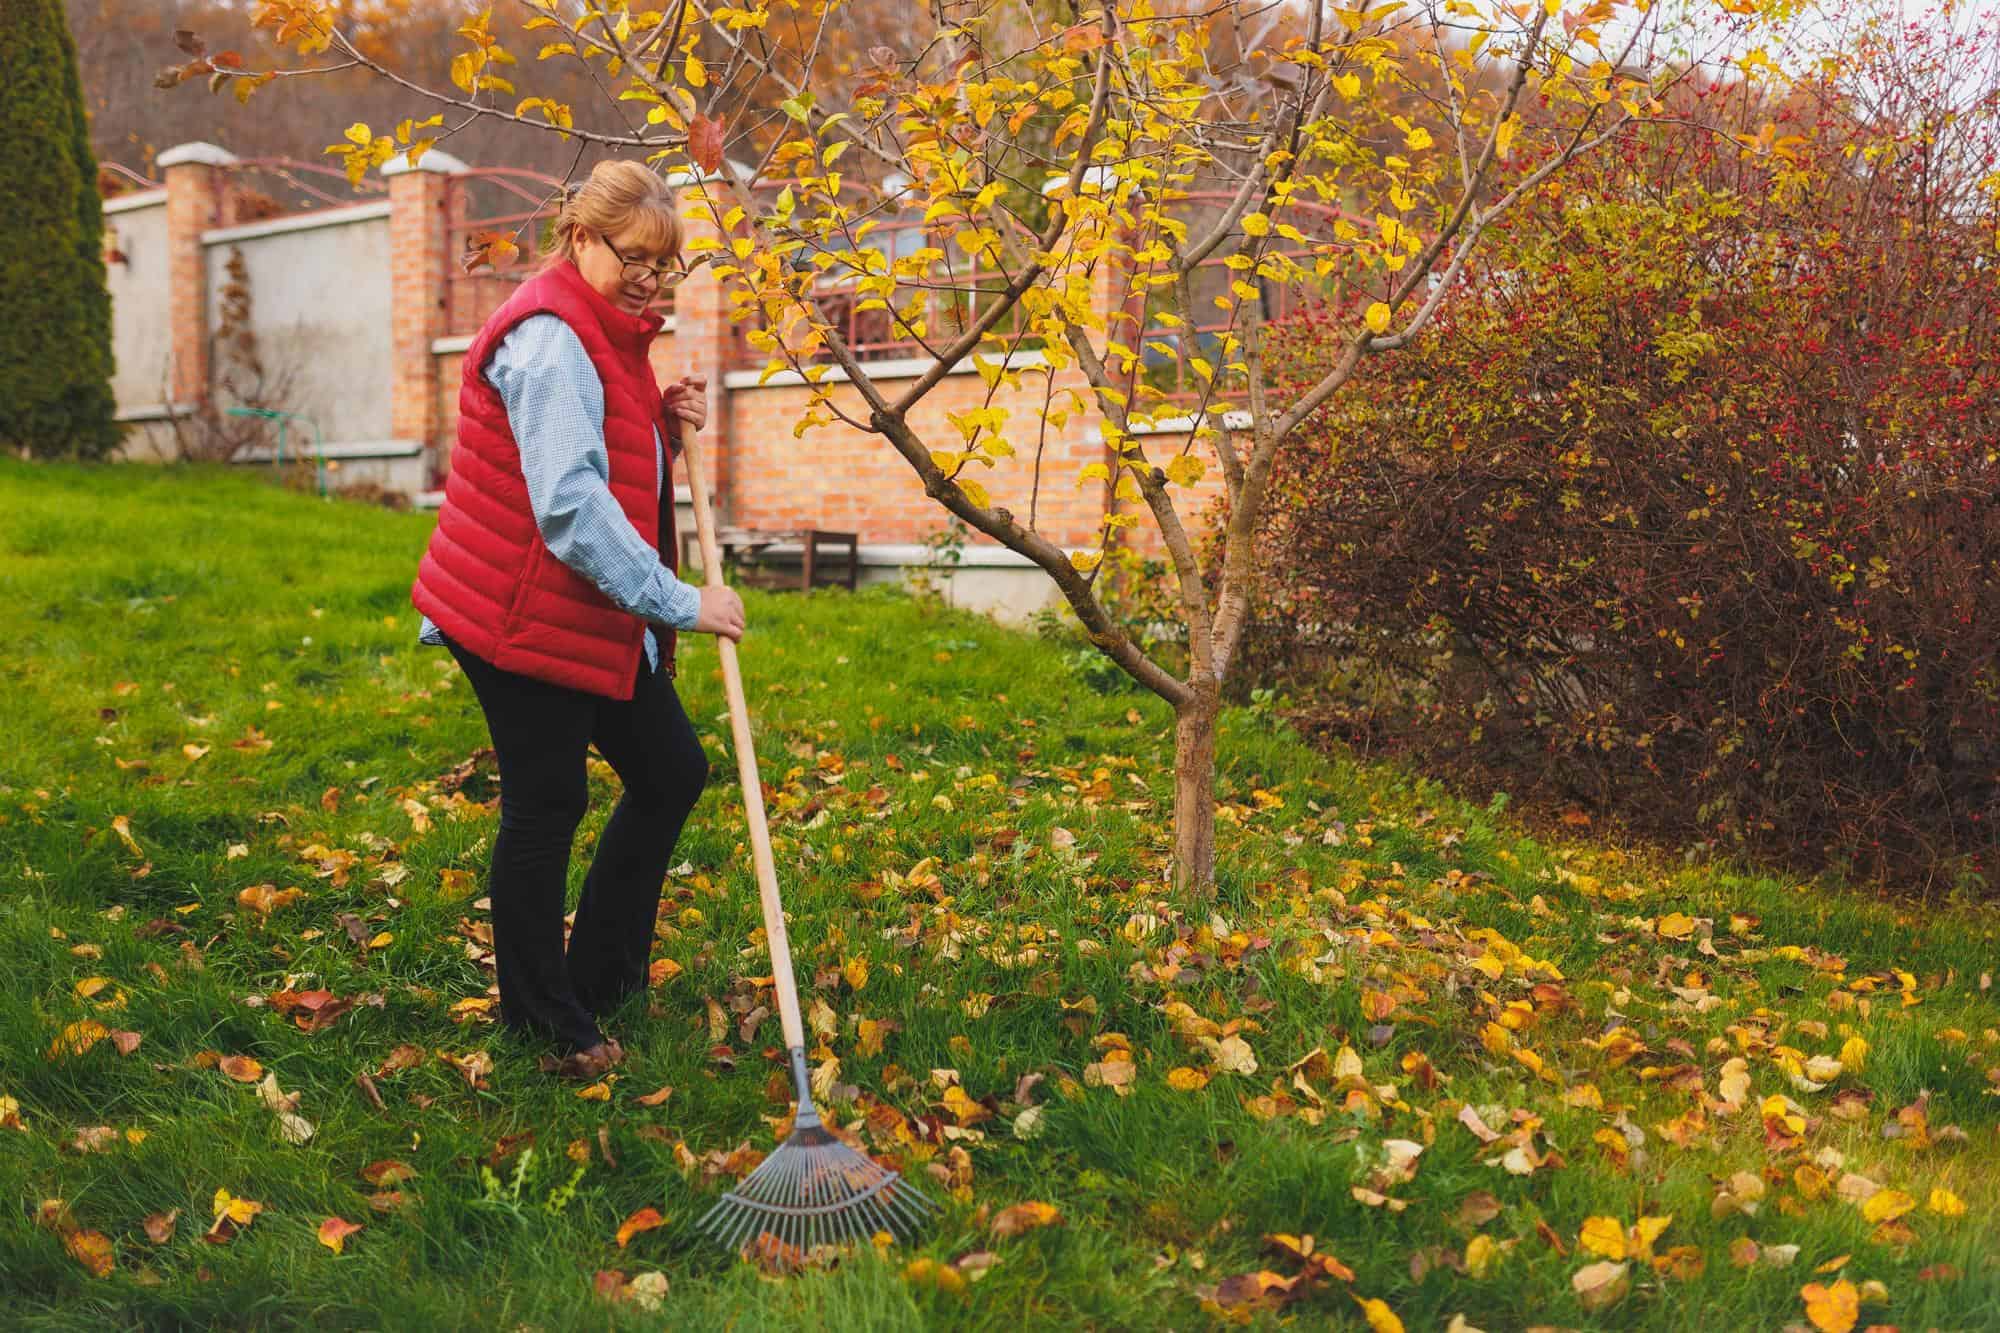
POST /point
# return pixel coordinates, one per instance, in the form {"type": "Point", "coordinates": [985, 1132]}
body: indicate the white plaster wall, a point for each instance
{"type": "Point", "coordinates": [320, 306]}
{"type": "Point", "coordinates": [141, 333]}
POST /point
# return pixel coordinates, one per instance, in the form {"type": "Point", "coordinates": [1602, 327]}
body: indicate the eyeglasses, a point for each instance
{"type": "Point", "coordinates": [639, 274]}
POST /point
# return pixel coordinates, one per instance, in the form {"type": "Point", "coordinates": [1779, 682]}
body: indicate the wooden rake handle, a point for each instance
{"type": "Point", "coordinates": [746, 763]}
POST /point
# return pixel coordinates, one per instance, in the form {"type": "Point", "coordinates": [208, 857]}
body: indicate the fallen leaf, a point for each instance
{"type": "Point", "coordinates": [655, 1098]}
{"type": "Point", "coordinates": [1600, 1286]}
{"type": "Point", "coordinates": [403, 1057]}
{"type": "Point", "coordinates": [1945, 1204]}
{"type": "Point", "coordinates": [78, 1037]}
{"type": "Point", "coordinates": [1185, 1079]}
{"type": "Point", "coordinates": [1381, 1319]}
{"type": "Point", "coordinates": [1020, 1217]}
{"type": "Point", "coordinates": [333, 1232]}
{"type": "Point", "coordinates": [231, 1216]}
{"type": "Point", "coordinates": [160, 1226]}
{"type": "Point", "coordinates": [1886, 1205]}
{"type": "Point", "coordinates": [122, 826]}
{"type": "Point", "coordinates": [644, 1220]}
{"type": "Point", "coordinates": [1603, 1236]}
{"type": "Point", "coordinates": [930, 1273]}
{"type": "Point", "coordinates": [93, 1250]}
{"type": "Point", "coordinates": [648, 1291]}
{"type": "Point", "coordinates": [1832, 1309]}
{"type": "Point", "coordinates": [379, 1174]}
{"type": "Point", "coordinates": [241, 1068]}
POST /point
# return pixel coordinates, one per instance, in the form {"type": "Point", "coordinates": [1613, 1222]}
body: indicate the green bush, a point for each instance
{"type": "Point", "coordinates": [55, 346]}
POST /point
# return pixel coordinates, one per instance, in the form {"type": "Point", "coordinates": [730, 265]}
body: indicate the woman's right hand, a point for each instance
{"type": "Point", "coordinates": [721, 613]}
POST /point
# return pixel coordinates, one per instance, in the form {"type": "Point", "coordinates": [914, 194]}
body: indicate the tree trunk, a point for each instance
{"type": "Point", "coordinates": [1194, 792]}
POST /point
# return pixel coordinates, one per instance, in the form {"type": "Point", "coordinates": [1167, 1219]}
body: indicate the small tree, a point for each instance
{"type": "Point", "coordinates": [1186, 168]}
{"type": "Point", "coordinates": [55, 354]}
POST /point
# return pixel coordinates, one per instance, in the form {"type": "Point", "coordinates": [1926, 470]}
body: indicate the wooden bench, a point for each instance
{"type": "Point", "coordinates": [743, 548]}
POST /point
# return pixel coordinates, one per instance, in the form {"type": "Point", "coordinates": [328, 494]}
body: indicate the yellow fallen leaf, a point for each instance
{"type": "Point", "coordinates": [1675, 926]}
{"type": "Point", "coordinates": [927, 1272]}
{"type": "Point", "coordinates": [1886, 1205]}
{"type": "Point", "coordinates": [1603, 1236]}
{"type": "Point", "coordinates": [1946, 1204]}
{"type": "Point", "coordinates": [1647, 1230]}
{"type": "Point", "coordinates": [1481, 1253]}
{"type": "Point", "coordinates": [1381, 1319]}
{"type": "Point", "coordinates": [78, 1038]}
{"type": "Point", "coordinates": [1854, 1054]}
{"type": "Point", "coordinates": [596, 1092]}
{"type": "Point", "coordinates": [1832, 1309]}
{"type": "Point", "coordinates": [856, 972]}
{"type": "Point", "coordinates": [1185, 1079]}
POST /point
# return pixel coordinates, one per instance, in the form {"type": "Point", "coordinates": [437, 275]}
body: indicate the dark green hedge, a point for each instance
{"type": "Point", "coordinates": [55, 311]}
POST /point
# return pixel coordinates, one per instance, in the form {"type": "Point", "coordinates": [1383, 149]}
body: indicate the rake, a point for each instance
{"type": "Point", "coordinates": [813, 1189]}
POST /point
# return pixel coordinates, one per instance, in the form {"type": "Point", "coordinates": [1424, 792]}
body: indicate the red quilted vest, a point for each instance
{"type": "Point", "coordinates": [487, 579]}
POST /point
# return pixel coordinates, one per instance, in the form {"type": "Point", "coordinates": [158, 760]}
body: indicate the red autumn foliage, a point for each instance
{"type": "Point", "coordinates": [1686, 506]}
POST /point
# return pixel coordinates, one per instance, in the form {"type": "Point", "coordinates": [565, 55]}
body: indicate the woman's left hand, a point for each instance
{"type": "Point", "coordinates": [687, 399]}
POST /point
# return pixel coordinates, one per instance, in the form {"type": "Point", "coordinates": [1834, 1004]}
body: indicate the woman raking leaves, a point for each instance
{"type": "Point", "coordinates": [552, 577]}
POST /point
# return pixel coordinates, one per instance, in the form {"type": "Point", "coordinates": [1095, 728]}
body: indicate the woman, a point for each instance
{"type": "Point", "coordinates": [551, 577]}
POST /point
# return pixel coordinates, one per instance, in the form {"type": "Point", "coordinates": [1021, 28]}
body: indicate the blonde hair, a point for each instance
{"type": "Point", "coordinates": [617, 195]}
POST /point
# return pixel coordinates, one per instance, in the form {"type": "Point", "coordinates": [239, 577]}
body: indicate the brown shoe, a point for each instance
{"type": "Point", "coordinates": [590, 1065]}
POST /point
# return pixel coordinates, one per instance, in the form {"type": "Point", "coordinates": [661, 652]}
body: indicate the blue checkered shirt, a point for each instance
{"type": "Point", "coordinates": [555, 405]}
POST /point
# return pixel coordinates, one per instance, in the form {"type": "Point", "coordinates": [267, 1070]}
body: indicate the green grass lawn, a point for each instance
{"type": "Point", "coordinates": [213, 685]}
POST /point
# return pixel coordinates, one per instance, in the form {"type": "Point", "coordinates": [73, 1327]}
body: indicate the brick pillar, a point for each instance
{"type": "Point", "coordinates": [197, 177]}
{"type": "Point", "coordinates": [419, 237]}
{"type": "Point", "coordinates": [704, 337]}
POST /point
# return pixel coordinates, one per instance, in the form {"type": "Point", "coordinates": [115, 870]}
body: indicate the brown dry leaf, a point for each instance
{"type": "Point", "coordinates": [333, 1232]}
{"type": "Point", "coordinates": [264, 899]}
{"type": "Point", "coordinates": [97, 1138]}
{"type": "Point", "coordinates": [1600, 1286]}
{"type": "Point", "coordinates": [1471, 1119]}
{"type": "Point", "coordinates": [1833, 1309]}
{"type": "Point", "coordinates": [403, 1057]}
{"type": "Point", "coordinates": [658, 1098]}
{"type": "Point", "coordinates": [1020, 1217]}
{"type": "Point", "coordinates": [241, 1068]}
{"type": "Point", "coordinates": [379, 1174]}
{"type": "Point", "coordinates": [644, 1220]}
{"type": "Point", "coordinates": [1115, 1074]}
{"type": "Point", "coordinates": [126, 1042]}
{"type": "Point", "coordinates": [160, 1226]}
{"type": "Point", "coordinates": [1478, 1208]}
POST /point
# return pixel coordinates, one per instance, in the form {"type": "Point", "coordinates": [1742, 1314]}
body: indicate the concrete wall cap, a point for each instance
{"type": "Point", "coordinates": [200, 154]}
{"type": "Point", "coordinates": [433, 160]}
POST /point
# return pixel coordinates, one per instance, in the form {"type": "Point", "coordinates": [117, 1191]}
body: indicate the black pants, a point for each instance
{"type": "Point", "coordinates": [541, 733]}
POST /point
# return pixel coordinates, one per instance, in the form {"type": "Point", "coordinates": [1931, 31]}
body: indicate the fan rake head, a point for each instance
{"type": "Point", "coordinates": [814, 1190]}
